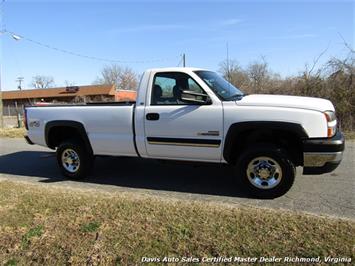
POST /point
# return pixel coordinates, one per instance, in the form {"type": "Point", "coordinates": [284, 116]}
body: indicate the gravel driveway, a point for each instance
{"type": "Point", "coordinates": [329, 194]}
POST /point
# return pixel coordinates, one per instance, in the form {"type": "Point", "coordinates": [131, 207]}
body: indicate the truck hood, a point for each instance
{"type": "Point", "coordinates": [309, 103]}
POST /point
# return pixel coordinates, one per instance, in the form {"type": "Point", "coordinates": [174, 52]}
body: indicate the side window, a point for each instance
{"type": "Point", "coordinates": [168, 86]}
{"type": "Point", "coordinates": [193, 86]}
{"type": "Point", "coordinates": [163, 89]}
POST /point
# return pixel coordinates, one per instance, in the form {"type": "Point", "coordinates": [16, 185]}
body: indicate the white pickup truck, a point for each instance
{"type": "Point", "coordinates": [195, 115]}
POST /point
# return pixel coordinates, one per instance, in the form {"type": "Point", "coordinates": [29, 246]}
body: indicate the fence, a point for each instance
{"type": "Point", "coordinates": [12, 110]}
{"type": "Point", "coordinates": [12, 115]}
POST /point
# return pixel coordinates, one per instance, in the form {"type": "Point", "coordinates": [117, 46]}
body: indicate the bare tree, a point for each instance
{"type": "Point", "coordinates": [69, 83]}
{"type": "Point", "coordinates": [259, 74]}
{"type": "Point", "coordinates": [233, 72]}
{"type": "Point", "coordinates": [333, 80]}
{"type": "Point", "coordinates": [123, 78]}
{"type": "Point", "coordinates": [311, 78]}
{"type": "Point", "coordinates": [340, 85]}
{"type": "Point", "coordinates": [42, 82]}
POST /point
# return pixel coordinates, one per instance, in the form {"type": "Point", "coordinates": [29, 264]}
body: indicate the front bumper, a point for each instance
{"type": "Point", "coordinates": [322, 155]}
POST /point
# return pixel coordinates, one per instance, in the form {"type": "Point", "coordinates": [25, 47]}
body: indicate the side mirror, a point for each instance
{"type": "Point", "coordinates": [195, 97]}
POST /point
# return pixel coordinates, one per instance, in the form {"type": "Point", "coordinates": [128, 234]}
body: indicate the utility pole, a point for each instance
{"type": "Point", "coordinates": [2, 32]}
{"type": "Point", "coordinates": [1, 111]}
{"type": "Point", "coordinates": [19, 80]}
{"type": "Point", "coordinates": [183, 60]}
{"type": "Point", "coordinates": [228, 67]}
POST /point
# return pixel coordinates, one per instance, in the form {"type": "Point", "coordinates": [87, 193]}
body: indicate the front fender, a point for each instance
{"type": "Point", "coordinates": [237, 129]}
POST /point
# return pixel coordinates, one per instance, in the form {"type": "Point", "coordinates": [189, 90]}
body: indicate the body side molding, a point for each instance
{"type": "Point", "coordinates": [212, 143]}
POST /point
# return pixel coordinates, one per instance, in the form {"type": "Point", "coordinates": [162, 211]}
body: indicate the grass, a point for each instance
{"type": "Point", "coordinates": [12, 132]}
{"type": "Point", "coordinates": [90, 227]}
{"type": "Point", "coordinates": [33, 232]}
{"type": "Point", "coordinates": [349, 135]}
{"type": "Point", "coordinates": [11, 262]}
{"type": "Point", "coordinates": [41, 225]}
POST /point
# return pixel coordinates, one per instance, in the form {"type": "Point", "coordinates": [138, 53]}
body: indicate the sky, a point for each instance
{"type": "Point", "coordinates": [149, 34]}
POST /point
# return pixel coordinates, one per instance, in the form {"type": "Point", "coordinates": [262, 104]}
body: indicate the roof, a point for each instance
{"type": "Point", "coordinates": [125, 95]}
{"type": "Point", "coordinates": [60, 92]}
{"type": "Point", "coordinates": [173, 69]}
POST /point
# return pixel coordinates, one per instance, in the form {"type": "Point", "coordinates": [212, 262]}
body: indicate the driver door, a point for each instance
{"type": "Point", "coordinates": [175, 129]}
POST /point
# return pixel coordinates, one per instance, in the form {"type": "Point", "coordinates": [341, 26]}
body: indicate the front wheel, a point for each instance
{"type": "Point", "coordinates": [73, 159]}
{"type": "Point", "coordinates": [265, 171]}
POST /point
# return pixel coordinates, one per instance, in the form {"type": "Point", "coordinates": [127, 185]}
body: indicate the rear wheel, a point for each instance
{"type": "Point", "coordinates": [73, 159]}
{"type": "Point", "coordinates": [266, 171]}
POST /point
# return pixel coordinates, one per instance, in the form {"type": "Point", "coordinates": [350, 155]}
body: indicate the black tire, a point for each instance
{"type": "Point", "coordinates": [85, 159]}
{"type": "Point", "coordinates": [281, 181]}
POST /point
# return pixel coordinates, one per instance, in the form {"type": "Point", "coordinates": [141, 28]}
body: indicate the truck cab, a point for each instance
{"type": "Point", "coordinates": [182, 118]}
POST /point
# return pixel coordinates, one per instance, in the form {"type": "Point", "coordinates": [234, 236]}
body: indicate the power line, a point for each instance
{"type": "Point", "coordinates": [18, 37]}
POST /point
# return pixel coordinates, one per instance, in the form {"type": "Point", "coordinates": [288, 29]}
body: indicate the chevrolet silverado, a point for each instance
{"type": "Point", "coordinates": [191, 114]}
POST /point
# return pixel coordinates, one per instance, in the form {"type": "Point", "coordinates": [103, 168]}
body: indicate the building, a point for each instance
{"type": "Point", "coordinates": [13, 101]}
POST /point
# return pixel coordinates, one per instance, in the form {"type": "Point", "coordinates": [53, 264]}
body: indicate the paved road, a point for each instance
{"type": "Point", "coordinates": [329, 194]}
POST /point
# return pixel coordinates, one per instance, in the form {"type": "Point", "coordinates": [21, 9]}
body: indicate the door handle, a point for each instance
{"type": "Point", "coordinates": [152, 116]}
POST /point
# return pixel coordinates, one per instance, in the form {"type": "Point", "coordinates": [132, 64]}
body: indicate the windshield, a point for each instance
{"type": "Point", "coordinates": [222, 88]}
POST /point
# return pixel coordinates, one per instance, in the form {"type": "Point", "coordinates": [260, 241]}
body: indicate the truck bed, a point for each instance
{"type": "Point", "coordinates": [108, 125]}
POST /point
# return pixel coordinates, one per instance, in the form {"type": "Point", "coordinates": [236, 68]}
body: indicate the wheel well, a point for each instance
{"type": "Point", "coordinates": [59, 130]}
{"type": "Point", "coordinates": [58, 134]}
{"type": "Point", "coordinates": [288, 140]}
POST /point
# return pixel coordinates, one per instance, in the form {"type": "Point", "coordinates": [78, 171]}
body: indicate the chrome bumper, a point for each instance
{"type": "Point", "coordinates": [322, 155]}
{"type": "Point", "coordinates": [319, 159]}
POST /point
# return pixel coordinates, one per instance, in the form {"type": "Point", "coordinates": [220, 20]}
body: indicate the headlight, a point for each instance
{"type": "Point", "coordinates": [331, 123]}
{"type": "Point", "coordinates": [330, 116]}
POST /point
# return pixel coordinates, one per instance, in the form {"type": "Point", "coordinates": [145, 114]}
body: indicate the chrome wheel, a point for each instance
{"type": "Point", "coordinates": [264, 172]}
{"type": "Point", "coordinates": [70, 160]}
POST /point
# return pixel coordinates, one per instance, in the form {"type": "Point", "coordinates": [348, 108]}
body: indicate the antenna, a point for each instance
{"type": "Point", "coordinates": [183, 60]}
